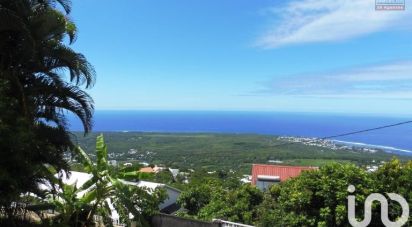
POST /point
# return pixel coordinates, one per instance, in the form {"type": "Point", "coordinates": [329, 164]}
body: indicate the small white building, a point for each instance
{"type": "Point", "coordinates": [144, 163]}
{"type": "Point", "coordinates": [158, 168]}
{"type": "Point", "coordinates": [174, 172]}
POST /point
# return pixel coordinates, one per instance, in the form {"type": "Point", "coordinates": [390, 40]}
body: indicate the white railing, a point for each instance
{"type": "Point", "coordinates": [224, 223]}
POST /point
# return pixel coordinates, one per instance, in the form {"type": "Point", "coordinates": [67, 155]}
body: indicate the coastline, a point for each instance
{"type": "Point", "coordinates": [382, 147]}
{"type": "Point", "coordinates": [314, 141]}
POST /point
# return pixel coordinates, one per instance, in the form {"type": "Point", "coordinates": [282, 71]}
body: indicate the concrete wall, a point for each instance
{"type": "Point", "coordinates": [165, 220]}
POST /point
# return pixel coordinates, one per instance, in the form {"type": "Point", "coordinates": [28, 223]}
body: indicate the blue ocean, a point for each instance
{"type": "Point", "coordinates": [270, 123]}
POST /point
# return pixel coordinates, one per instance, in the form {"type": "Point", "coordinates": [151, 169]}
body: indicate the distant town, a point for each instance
{"type": "Point", "coordinates": [329, 144]}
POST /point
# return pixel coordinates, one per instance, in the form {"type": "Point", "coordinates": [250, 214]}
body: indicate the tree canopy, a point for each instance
{"type": "Point", "coordinates": [314, 198]}
{"type": "Point", "coordinates": [35, 96]}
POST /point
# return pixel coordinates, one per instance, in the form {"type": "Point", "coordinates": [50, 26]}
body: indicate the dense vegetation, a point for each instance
{"type": "Point", "coordinates": [220, 151]}
{"type": "Point", "coordinates": [35, 59]}
{"type": "Point", "coordinates": [315, 198]}
{"type": "Point", "coordinates": [41, 80]}
{"type": "Point", "coordinates": [106, 186]}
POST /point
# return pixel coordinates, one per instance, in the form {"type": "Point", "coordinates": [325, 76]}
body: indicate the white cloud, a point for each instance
{"type": "Point", "coordinates": [308, 21]}
{"type": "Point", "coordinates": [391, 80]}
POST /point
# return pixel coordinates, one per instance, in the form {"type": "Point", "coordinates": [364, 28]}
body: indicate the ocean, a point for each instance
{"type": "Point", "coordinates": [269, 123]}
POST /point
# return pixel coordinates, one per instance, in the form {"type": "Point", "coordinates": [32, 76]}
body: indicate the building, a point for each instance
{"type": "Point", "coordinates": [263, 176]}
{"type": "Point", "coordinates": [146, 170]}
{"type": "Point", "coordinates": [158, 168]}
{"type": "Point", "coordinates": [174, 172]}
{"type": "Point", "coordinates": [127, 164]}
{"type": "Point", "coordinates": [149, 169]}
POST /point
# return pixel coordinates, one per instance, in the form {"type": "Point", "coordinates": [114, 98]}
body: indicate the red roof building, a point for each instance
{"type": "Point", "coordinates": [265, 175]}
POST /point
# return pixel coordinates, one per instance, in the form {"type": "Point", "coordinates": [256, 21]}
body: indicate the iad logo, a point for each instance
{"type": "Point", "coordinates": [384, 209]}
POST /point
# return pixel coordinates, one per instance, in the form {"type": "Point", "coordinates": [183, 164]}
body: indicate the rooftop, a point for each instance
{"type": "Point", "coordinates": [281, 171]}
{"type": "Point", "coordinates": [147, 170]}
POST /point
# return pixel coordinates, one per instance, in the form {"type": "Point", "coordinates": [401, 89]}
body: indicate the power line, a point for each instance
{"type": "Point", "coordinates": [350, 133]}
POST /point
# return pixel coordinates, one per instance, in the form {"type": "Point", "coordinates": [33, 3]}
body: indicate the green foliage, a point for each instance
{"type": "Point", "coordinates": [220, 195]}
{"type": "Point", "coordinates": [315, 198]}
{"type": "Point", "coordinates": [214, 152]}
{"type": "Point", "coordinates": [396, 176]}
{"type": "Point", "coordinates": [103, 187]}
{"type": "Point", "coordinates": [208, 202]}
{"type": "Point", "coordinates": [34, 95]}
{"type": "Point", "coordinates": [134, 175]}
{"type": "Point", "coordinates": [319, 198]}
{"type": "Point", "coordinates": [72, 211]}
{"type": "Point", "coordinates": [105, 184]}
{"type": "Point", "coordinates": [195, 198]}
{"type": "Point", "coordinates": [239, 205]}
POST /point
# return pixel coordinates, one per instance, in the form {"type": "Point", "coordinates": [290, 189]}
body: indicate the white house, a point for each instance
{"type": "Point", "coordinates": [174, 172]}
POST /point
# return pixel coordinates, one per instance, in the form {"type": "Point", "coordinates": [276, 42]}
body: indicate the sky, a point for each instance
{"type": "Point", "coordinates": [338, 56]}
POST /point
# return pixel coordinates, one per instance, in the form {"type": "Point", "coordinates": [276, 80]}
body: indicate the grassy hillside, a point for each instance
{"type": "Point", "coordinates": [219, 151]}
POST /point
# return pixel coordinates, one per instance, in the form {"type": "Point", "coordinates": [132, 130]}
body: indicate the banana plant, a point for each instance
{"type": "Point", "coordinates": [106, 187]}
{"type": "Point", "coordinates": [71, 209]}
{"type": "Point", "coordinates": [103, 192]}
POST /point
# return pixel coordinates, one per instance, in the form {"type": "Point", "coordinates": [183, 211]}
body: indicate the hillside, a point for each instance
{"type": "Point", "coordinates": [222, 151]}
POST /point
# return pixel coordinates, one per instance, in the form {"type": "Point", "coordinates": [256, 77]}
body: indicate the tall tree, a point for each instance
{"type": "Point", "coordinates": [35, 59]}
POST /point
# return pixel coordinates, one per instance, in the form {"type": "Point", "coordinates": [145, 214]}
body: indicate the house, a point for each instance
{"type": "Point", "coordinates": [127, 164]}
{"type": "Point", "coordinates": [263, 176]}
{"type": "Point", "coordinates": [147, 170]}
{"type": "Point", "coordinates": [158, 168]}
{"type": "Point", "coordinates": [174, 172]}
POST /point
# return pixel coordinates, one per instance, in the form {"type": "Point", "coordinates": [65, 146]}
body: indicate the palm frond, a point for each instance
{"type": "Point", "coordinates": [66, 4]}
{"type": "Point", "coordinates": [53, 95]}
{"type": "Point", "coordinates": [61, 57]}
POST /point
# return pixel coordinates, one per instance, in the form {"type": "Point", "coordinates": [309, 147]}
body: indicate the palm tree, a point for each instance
{"type": "Point", "coordinates": [33, 56]}
{"type": "Point", "coordinates": [34, 96]}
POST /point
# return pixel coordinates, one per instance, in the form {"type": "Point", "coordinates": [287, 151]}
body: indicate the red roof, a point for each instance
{"type": "Point", "coordinates": [283, 172]}
{"type": "Point", "coordinates": [147, 170]}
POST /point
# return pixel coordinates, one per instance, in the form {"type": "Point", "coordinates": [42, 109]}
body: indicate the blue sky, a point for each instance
{"type": "Point", "coordinates": [306, 56]}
